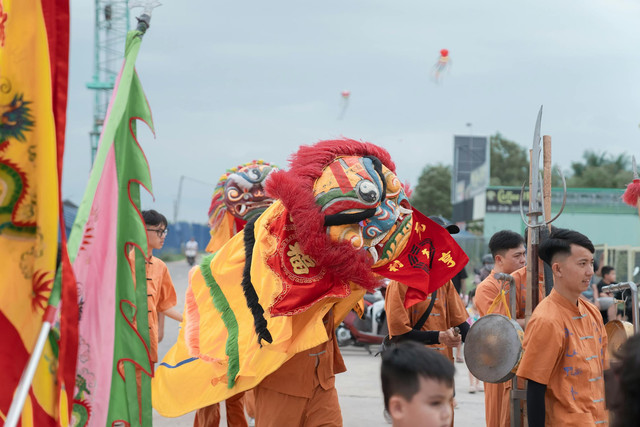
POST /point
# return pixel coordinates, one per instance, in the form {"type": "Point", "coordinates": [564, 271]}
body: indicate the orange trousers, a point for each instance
{"type": "Point", "coordinates": [250, 403]}
{"type": "Point", "coordinates": [275, 409]}
{"type": "Point", "coordinates": [496, 404]}
{"type": "Point", "coordinates": [209, 416]}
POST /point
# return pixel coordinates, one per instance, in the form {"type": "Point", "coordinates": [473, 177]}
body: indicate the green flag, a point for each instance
{"type": "Point", "coordinates": [114, 369]}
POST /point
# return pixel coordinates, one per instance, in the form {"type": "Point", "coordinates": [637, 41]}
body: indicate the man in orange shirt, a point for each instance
{"type": "Point", "coordinates": [437, 331]}
{"type": "Point", "coordinates": [448, 311]}
{"type": "Point", "coordinates": [565, 342]}
{"type": "Point", "coordinates": [507, 249]}
{"type": "Point", "coordinates": [161, 295]}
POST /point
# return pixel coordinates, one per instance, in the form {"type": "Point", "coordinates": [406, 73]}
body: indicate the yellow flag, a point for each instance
{"type": "Point", "coordinates": [28, 203]}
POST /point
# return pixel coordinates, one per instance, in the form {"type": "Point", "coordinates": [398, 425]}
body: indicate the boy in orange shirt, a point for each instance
{"type": "Point", "coordinates": [161, 295]}
{"type": "Point", "coordinates": [417, 384]}
{"type": "Point", "coordinates": [160, 291]}
{"type": "Point", "coordinates": [565, 342]}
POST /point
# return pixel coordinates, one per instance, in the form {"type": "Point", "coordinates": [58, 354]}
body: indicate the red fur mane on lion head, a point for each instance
{"type": "Point", "coordinates": [294, 188]}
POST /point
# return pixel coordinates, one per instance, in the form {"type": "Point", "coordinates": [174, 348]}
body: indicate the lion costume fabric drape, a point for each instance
{"type": "Point", "coordinates": [340, 212]}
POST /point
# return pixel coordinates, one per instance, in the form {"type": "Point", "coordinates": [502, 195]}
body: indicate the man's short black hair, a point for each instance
{"type": "Point", "coordinates": [606, 270]}
{"type": "Point", "coordinates": [559, 243]}
{"type": "Point", "coordinates": [153, 218]}
{"type": "Point", "coordinates": [405, 362]}
{"type": "Point", "coordinates": [504, 240]}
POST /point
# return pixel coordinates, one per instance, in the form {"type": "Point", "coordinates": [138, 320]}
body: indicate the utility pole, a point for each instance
{"type": "Point", "coordinates": [176, 203]}
{"type": "Point", "coordinates": [176, 206]}
{"type": "Point", "coordinates": [110, 34]}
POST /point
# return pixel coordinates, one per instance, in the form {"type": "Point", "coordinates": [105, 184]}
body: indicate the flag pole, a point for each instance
{"type": "Point", "coordinates": [27, 375]}
{"type": "Point", "coordinates": [147, 9]}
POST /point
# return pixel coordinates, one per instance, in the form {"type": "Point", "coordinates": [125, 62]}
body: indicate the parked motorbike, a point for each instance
{"type": "Point", "coordinates": [370, 330]}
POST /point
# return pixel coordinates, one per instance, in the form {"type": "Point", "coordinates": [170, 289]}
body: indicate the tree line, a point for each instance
{"type": "Point", "coordinates": [510, 167]}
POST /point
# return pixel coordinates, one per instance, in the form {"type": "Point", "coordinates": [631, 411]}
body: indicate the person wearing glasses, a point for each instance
{"type": "Point", "coordinates": [160, 290]}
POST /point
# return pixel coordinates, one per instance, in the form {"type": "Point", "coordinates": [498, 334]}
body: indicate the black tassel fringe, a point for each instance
{"type": "Point", "coordinates": [249, 291]}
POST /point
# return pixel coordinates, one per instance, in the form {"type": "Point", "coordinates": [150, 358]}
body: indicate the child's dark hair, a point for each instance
{"type": "Point", "coordinates": [559, 243]}
{"type": "Point", "coordinates": [504, 240]}
{"type": "Point", "coordinates": [405, 362]}
{"type": "Point", "coordinates": [152, 217]}
{"type": "Point", "coordinates": [605, 270]}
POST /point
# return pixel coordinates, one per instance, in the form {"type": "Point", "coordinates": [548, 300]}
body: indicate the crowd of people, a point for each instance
{"type": "Point", "coordinates": [565, 359]}
{"type": "Point", "coordinates": [417, 372]}
{"type": "Point", "coordinates": [565, 354]}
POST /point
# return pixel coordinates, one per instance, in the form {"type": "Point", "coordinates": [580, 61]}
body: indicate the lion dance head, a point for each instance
{"type": "Point", "coordinates": [238, 197]}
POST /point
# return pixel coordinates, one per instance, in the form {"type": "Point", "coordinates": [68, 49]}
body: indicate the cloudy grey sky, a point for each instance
{"type": "Point", "coordinates": [233, 81]}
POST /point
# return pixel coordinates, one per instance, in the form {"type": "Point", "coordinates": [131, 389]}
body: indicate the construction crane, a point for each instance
{"type": "Point", "coordinates": [110, 33]}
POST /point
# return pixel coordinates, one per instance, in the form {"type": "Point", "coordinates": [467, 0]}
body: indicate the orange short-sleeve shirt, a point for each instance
{"type": "Point", "coordinates": [489, 289]}
{"type": "Point", "coordinates": [520, 277]}
{"type": "Point", "coordinates": [161, 296]}
{"type": "Point", "coordinates": [565, 348]}
{"type": "Point", "coordinates": [448, 311]}
{"type": "Point", "coordinates": [486, 292]}
{"type": "Point", "coordinates": [497, 396]}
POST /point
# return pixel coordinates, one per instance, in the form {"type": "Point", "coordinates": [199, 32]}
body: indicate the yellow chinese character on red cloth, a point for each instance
{"type": "Point", "coordinates": [299, 261]}
{"type": "Point", "coordinates": [395, 265]}
{"type": "Point", "coordinates": [419, 228]}
{"type": "Point", "coordinates": [426, 252]}
{"type": "Point", "coordinates": [447, 259]}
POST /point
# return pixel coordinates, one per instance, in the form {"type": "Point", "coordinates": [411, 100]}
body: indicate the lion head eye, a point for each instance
{"type": "Point", "coordinates": [368, 191]}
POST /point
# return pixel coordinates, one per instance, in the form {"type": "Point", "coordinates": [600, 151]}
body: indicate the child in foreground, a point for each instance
{"type": "Point", "coordinates": [417, 384]}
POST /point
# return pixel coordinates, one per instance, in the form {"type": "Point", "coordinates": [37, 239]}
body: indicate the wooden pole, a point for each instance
{"type": "Point", "coordinates": [546, 176]}
{"type": "Point", "coordinates": [547, 278]}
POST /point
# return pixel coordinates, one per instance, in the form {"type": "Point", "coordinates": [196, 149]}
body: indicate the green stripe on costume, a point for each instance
{"type": "Point", "coordinates": [228, 318]}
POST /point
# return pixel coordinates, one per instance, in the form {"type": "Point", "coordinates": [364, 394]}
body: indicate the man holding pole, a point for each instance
{"type": "Point", "coordinates": [507, 249]}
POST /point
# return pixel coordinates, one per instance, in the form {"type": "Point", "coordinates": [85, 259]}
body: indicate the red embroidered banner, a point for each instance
{"type": "Point", "coordinates": [429, 260]}
{"type": "Point", "coordinates": [304, 282]}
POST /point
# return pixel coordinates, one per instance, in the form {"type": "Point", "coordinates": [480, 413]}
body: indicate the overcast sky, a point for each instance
{"type": "Point", "coordinates": [233, 81]}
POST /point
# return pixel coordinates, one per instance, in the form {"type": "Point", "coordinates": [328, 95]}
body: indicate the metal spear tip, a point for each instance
{"type": "Point", "coordinates": [536, 133]}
